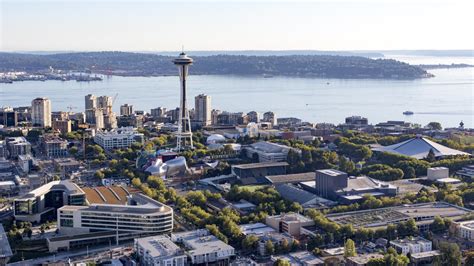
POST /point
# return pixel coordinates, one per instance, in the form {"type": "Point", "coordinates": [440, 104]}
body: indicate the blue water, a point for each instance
{"type": "Point", "coordinates": [447, 98]}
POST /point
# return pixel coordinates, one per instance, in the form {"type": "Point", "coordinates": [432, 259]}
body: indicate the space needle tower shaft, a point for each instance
{"type": "Point", "coordinates": [184, 136]}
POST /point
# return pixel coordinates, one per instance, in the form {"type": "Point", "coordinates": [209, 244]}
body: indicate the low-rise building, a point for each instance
{"type": "Point", "coordinates": [336, 185]}
{"type": "Point", "coordinates": [290, 223]}
{"type": "Point", "coordinates": [435, 173]}
{"type": "Point", "coordinates": [255, 173]}
{"type": "Point", "coordinates": [301, 258]}
{"type": "Point", "coordinates": [41, 202]}
{"type": "Point", "coordinates": [265, 151]}
{"type": "Point", "coordinates": [422, 213]}
{"type": "Point", "coordinates": [110, 214]}
{"type": "Point", "coordinates": [411, 245]}
{"type": "Point", "coordinates": [118, 138]}
{"type": "Point", "coordinates": [63, 126]}
{"type": "Point", "coordinates": [204, 248]}
{"type": "Point", "coordinates": [25, 162]}
{"type": "Point", "coordinates": [18, 146]}
{"type": "Point", "coordinates": [362, 259]}
{"type": "Point", "coordinates": [53, 146]}
{"type": "Point", "coordinates": [465, 229]}
{"type": "Point", "coordinates": [159, 251]}
{"type": "Point", "coordinates": [466, 172]}
{"type": "Point", "coordinates": [257, 229]}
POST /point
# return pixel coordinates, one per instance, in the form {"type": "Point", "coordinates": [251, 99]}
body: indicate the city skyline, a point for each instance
{"type": "Point", "coordinates": [153, 25]}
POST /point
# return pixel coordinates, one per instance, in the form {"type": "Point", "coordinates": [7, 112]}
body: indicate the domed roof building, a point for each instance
{"type": "Point", "coordinates": [215, 138]}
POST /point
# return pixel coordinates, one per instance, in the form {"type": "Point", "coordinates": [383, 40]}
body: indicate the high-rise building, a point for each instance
{"type": "Point", "coordinates": [202, 109]}
{"type": "Point", "coordinates": [184, 135]}
{"type": "Point", "coordinates": [104, 103]}
{"type": "Point", "coordinates": [270, 117]}
{"type": "Point", "coordinates": [110, 120]}
{"type": "Point", "coordinates": [41, 112]}
{"type": "Point", "coordinates": [8, 117]}
{"type": "Point", "coordinates": [214, 116]}
{"type": "Point", "coordinates": [158, 112]}
{"type": "Point", "coordinates": [126, 110]}
{"type": "Point", "coordinates": [95, 117]}
{"type": "Point", "coordinates": [90, 102]}
{"type": "Point", "coordinates": [253, 117]}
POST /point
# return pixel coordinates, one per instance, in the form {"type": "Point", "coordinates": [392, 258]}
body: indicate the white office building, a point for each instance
{"type": "Point", "coordinates": [159, 251]}
{"type": "Point", "coordinates": [122, 137]}
{"type": "Point", "coordinates": [465, 229]}
{"type": "Point", "coordinates": [411, 245]}
{"type": "Point", "coordinates": [123, 216]}
{"type": "Point", "coordinates": [203, 248]}
{"type": "Point", "coordinates": [41, 112]}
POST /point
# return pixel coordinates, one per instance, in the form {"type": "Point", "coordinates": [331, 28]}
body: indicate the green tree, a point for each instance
{"type": "Point", "coordinates": [450, 254]}
{"type": "Point", "coordinates": [346, 165]}
{"type": "Point", "coordinates": [250, 242]}
{"type": "Point", "coordinates": [285, 246]}
{"type": "Point", "coordinates": [438, 224]}
{"type": "Point", "coordinates": [99, 174]}
{"type": "Point", "coordinates": [269, 247]}
{"type": "Point", "coordinates": [349, 248]}
{"type": "Point", "coordinates": [281, 262]}
{"type": "Point", "coordinates": [431, 156]}
{"type": "Point", "coordinates": [434, 126]}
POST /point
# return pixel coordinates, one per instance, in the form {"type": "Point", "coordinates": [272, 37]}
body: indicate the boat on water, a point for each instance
{"type": "Point", "coordinates": [408, 113]}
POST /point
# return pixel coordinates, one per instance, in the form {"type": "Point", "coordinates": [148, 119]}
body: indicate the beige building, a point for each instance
{"type": "Point", "coordinates": [41, 112]}
{"type": "Point", "coordinates": [63, 126]}
{"type": "Point", "coordinates": [290, 223]}
{"type": "Point", "coordinates": [203, 109]}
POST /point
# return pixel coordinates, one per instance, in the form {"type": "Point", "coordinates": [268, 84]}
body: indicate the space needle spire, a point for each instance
{"type": "Point", "coordinates": [184, 136]}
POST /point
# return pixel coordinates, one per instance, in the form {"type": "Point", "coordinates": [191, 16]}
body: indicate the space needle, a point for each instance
{"type": "Point", "coordinates": [184, 136]}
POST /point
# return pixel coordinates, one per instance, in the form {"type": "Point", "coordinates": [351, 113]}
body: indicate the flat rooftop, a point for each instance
{"type": "Point", "coordinates": [141, 205]}
{"type": "Point", "coordinates": [256, 229]}
{"type": "Point", "coordinates": [201, 244]}
{"type": "Point", "coordinates": [291, 217]}
{"type": "Point", "coordinates": [408, 241]}
{"type": "Point", "coordinates": [158, 246]}
{"type": "Point", "coordinates": [260, 165]}
{"type": "Point", "coordinates": [331, 172]}
{"type": "Point", "coordinates": [291, 178]}
{"type": "Point", "coordinates": [383, 216]}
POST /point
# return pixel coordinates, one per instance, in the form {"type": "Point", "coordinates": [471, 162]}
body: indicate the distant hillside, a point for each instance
{"type": "Point", "coordinates": [142, 64]}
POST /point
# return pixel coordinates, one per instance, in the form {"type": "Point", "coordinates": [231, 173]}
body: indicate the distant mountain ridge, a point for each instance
{"type": "Point", "coordinates": [148, 64]}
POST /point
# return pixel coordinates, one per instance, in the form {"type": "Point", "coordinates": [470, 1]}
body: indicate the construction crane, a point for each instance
{"type": "Point", "coordinates": [70, 107]}
{"type": "Point", "coordinates": [115, 98]}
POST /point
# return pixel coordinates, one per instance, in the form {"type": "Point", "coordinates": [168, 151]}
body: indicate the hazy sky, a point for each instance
{"type": "Point", "coordinates": [237, 25]}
